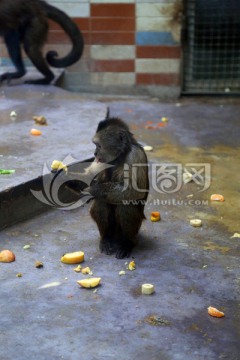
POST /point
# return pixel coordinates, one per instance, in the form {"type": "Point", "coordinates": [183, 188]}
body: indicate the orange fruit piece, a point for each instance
{"type": "Point", "coordinates": [215, 312]}
{"type": "Point", "coordinates": [7, 256]}
{"type": "Point", "coordinates": [35, 132]}
{"type": "Point", "coordinates": [155, 216]}
{"type": "Point", "coordinates": [217, 197]}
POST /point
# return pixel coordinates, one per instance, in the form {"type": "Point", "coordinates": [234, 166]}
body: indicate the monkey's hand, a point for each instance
{"type": "Point", "coordinates": [97, 190]}
{"type": "Point", "coordinates": [86, 192]}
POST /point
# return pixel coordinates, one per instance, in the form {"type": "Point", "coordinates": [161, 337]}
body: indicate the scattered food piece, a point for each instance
{"type": "Point", "coordinates": [26, 247]}
{"type": "Point", "coordinates": [87, 270]}
{"type": "Point", "coordinates": [89, 283]}
{"type": "Point", "coordinates": [19, 275]}
{"type": "Point", "coordinates": [149, 127]}
{"type": "Point", "coordinates": [40, 120]}
{"type": "Point", "coordinates": [132, 265]}
{"type": "Point", "coordinates": [217, 197]}
{"type": "Point", "coordinates": [6, 172]}
{"type": "Point", "coordinates": [69, 296]}
{"type": "Point", "coordinates": [35, 132]}
{"type": "Point", "coordinates": [147, 289]}
{"type": "Point", "coordinates": [164, 119]}
{"type": "Point", "coordinates": [73, 258]}
{"type": "Point", "coordinates": [78, 268]}
{"type": "Point", "coordinates": [215, 312]}
{"type": "Point", "coordinates": [236, 235]}
{"type": "Point", "coordinates": [155, 216]}
{"type": "Point", "coordinates": [204, 266]}
{"type": "Point", "coordinates": [13, 115]}
{"type": "Point", "coordinates": [7, 256]}
{"type": "Point", "coordinates": [122, 272]}
{"type": "Point", "coordinates": [148, 148]}
{"type": "Point", "coordinates": [157, 321]}
{"type": "Point", "coordinates": [38, 264]}
{"type": "Point", "coordinates": [196, 222]}
{"type": "Point", "coordinates": [58, 165]}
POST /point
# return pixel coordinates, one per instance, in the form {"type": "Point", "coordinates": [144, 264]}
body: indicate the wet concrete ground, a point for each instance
{"type": "Point", "coordinates": [45, 314]}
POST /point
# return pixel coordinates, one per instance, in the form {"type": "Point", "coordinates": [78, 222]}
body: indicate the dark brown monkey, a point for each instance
{"type": "Point", "coordinates": [25, 22]}
{"type": "Point", "coordinates": [120, 191]}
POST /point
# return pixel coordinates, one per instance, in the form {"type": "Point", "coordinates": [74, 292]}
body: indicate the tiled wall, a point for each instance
{"type": "Point", "coordinates": [130, 45]}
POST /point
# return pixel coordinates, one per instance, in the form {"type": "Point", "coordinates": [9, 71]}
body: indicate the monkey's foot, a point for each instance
{"type": "Point", "coordinates": [124, 250]}
{"type": "Point", "coordinates": [42, 81]}
{"type": "Point", "coordinates": [8, 76]}
{"type": "Point", "coordinates": [106, 247]}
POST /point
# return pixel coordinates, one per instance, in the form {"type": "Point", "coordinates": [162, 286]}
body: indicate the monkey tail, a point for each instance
{"type": "Point", "coordinates": [72, 31]}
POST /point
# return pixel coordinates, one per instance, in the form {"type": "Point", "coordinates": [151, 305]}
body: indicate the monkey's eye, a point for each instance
{"type": "Point", "coordinates": [98, 146]}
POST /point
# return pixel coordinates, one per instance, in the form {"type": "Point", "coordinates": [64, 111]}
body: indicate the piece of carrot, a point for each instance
{"type": "Point", "coordinates": [215, 312]}
{"type": "Point", "coordinates": [35, 132]}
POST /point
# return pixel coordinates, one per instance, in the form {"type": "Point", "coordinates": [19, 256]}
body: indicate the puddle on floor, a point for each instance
{"type": "Point", "coordinates": [224, 179]}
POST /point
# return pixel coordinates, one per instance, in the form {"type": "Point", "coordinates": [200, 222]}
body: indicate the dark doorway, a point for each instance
{"type": "Point", "coordinates": [211, 47]}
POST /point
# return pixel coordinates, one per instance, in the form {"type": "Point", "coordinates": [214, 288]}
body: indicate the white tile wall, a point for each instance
{"type": "Point", "coordinates": [73, 8]}
{"type": "Point", "coordinates": [157, 66]}
{"type": "Point", "coordinates": [153, 24]}
{"type": "Point", "coordinates": [105, 79]}
{"type": "Point", "coordinates": [112, 52]}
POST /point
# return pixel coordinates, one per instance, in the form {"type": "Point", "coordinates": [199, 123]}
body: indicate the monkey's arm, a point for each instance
{"type": "Point", "coordinates": [128, 183]}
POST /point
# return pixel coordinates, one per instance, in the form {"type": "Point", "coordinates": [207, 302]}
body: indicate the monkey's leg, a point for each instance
{"type": "Point", "coordinates": [130, 219]}
{"type": "Point", "coordinates": [33, 42]}
{"type": "Point", "coordinates": [12, 41]}
{"type": "Point", "coordinates": [104, 216]}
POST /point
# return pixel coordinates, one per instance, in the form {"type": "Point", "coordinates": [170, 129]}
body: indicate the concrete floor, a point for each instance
{"type": "Point", "coordinates": [46, 315]}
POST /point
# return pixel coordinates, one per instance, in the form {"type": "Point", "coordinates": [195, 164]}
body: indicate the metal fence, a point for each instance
{"type": "Point", "coordinates": [211, 47]}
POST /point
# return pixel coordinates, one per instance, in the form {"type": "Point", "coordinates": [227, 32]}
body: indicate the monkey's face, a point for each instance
{"type": "Point", "coordinates": [107, 147]}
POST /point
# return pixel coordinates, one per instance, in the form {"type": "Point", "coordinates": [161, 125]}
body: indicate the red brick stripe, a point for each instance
{"type": "Point", "coordinates": [158, 52]}
{"type": "Point", "coordinates": [157, 79]}
{"type": "Point", "coordinates": [113, 66]}
{"type": "Point", "coordinates": [113, 10]}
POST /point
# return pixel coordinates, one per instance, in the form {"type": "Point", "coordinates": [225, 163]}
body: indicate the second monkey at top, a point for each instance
{"type": "Point", "coordinates": [25, 23]}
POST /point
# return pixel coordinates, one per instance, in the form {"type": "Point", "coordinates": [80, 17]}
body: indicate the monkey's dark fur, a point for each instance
{"type": "Point", "coordinates": [118, 222]}
{"type": "Point", "coordinates": [25, 22]}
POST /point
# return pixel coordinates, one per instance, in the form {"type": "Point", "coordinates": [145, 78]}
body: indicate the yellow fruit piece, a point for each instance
{"type": "Point", "coordinates": [217, 197]}
{"type": "Point", "coordinates": [58, 165]}
{"type": "Point", "coordinates": [7, 256]}
{"type": "Point", "coordinates": [86, 270]}
{"type": "Point", "coordinates": [89, 283]}
{"type": "Point", "coordinates": [215, 312]}
{"type": "Point", "coordinates": [155, 216]}
{"type": "Point", "coordinates": [73, 258]}
{"type": "Point", "coordinates": [78, 268]}
{"type": "Point", "coordinates": [131, 265]}
{"type": "Point", "coordinates": [164, 119]}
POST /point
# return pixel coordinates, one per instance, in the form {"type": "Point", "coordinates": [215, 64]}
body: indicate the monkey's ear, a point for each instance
{"type": "Point", "coordinates": [108, 113]}
{"type": "Point", "coordinates": [125, 140]}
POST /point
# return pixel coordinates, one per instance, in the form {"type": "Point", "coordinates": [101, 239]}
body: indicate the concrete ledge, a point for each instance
{"type": "Point", "coordinates": [72, 122]}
